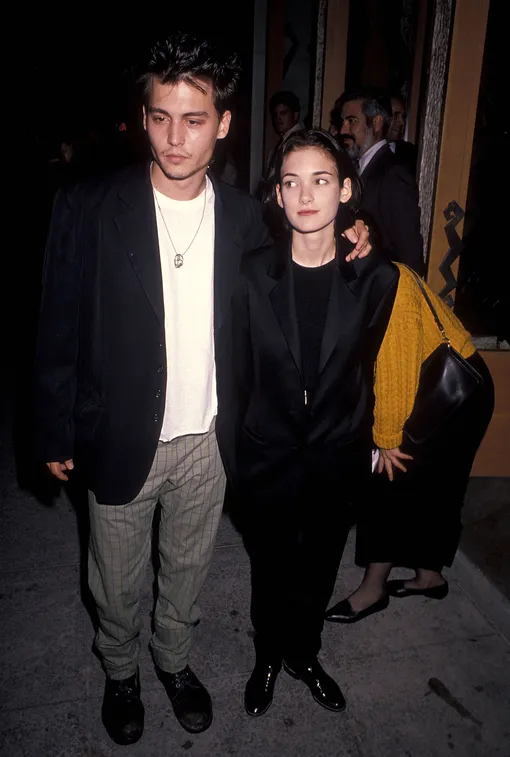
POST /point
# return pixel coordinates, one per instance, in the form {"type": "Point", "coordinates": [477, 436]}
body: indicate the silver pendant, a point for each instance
{"type": "Point", "coordinates": [178, 261]}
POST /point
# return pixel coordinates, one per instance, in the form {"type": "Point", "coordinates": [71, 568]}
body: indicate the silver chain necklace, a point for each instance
{"type": "Point", "coordinates": [179, 256]}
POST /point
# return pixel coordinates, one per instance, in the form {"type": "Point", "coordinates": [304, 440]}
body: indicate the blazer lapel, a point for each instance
{"type": "Point", "coordinates": [377, 163]}
{"type": "Point", "coordinates": [228, 249]}
{"type": "Point", "coordinates": [283, 300]}
{"type": "Point", "coordinates": [340, 310]}
{"type": "Point", "coordinates": [137, 227]}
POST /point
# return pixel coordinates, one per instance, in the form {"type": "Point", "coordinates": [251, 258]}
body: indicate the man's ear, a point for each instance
{"type": "Point", "coordinates": [377, 125]}
{"type": "Point", "coordinates": [144, 118]}
{"type": "Point", "coordinates": [224, 124]}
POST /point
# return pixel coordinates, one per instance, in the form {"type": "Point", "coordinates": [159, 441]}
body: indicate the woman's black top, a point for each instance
{"type": "Point", "coordinates": [312, 289]}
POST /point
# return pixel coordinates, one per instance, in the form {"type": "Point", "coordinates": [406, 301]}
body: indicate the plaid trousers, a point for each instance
{"type": "Point", "coordinates": [187, 478]}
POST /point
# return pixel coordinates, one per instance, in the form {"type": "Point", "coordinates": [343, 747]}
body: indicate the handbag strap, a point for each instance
{"type": "Point", "coordinates": [429, 303]}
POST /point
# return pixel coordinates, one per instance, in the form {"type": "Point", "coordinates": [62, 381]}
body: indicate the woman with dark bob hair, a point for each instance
{"type": "Point", "coordinates": [306, 328]}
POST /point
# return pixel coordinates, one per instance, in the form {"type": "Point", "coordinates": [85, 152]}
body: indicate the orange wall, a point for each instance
{"type": "Point", "coordinates": [493, 458]}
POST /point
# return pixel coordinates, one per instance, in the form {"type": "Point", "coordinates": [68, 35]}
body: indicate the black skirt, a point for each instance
{"type": "Point", "coordinates": [414, 520]}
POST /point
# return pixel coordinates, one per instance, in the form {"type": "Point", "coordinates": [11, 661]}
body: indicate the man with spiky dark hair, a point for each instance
{"type": "Point", "coordinates": [139, 273]}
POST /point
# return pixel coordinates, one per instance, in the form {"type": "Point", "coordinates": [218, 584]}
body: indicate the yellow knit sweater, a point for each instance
{"type": "Point", "coordinates": [412, 335]}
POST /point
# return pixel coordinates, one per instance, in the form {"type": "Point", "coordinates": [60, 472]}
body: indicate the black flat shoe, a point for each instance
{"type": "Point", "coordinates": [123, 711]}
{"type": "Point", "coordinates": [258, 695]}
{"type": "Point", "coordinates": [342, 612]}
{"type": "Point", "coordinates": [189, 698]}
{"type": "Point", "coordinates": [323, 688]}
{"type": "Point", "coordinates": [398, 589]}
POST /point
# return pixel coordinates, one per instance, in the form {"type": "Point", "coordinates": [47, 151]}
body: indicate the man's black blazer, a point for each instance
{"type": "Point", "coordinates": [407, 155]}
{"type": "Point", "coordinates": [101, 363]}
{"type": "Point", "coordinates": [390, 197]}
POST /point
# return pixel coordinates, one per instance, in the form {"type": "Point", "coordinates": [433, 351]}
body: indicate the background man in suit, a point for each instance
{"type": "Point", "coordinates": [405, 152]}
{"type": "Point", "coordinates": [390, 193]}
{"type": "Point", "coordinates": [139, 273]}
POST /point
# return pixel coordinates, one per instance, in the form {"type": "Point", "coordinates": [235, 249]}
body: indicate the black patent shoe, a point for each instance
{"type": "Point", "coordinates": [342, 612]}
{"type": "Point", "coordinates": [323, 688]}
{"type": "Point", "coordinates": [258, 695]}
{"type": "Point", "coordinates": [189, 698]}
{"type": "Point", "coordinates": [122, 711]}
{"type": "Point", "coordinates": [398, 589]}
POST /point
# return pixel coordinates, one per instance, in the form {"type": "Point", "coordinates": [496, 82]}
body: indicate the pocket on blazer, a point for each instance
{"type": "Point", "coordinates": [88, 412]}
{"type": "Point", "coordinates": [253, 435]}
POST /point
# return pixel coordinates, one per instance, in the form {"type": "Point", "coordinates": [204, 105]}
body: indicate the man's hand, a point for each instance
{"type": "Point", "coordinates": [358, 235]}
{"type": "Point", "coordinates": [58, 469]}
{"type": "Point", "coordinates": [392, 457]}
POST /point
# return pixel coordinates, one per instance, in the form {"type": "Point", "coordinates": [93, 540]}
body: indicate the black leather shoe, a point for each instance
{"type": "Point", "coordinates": [189, 698]}
{"type": "Point", "coordinates": [398, 589]}
{"type": "Point", "coordinates": [258, 694]}
{"type": "Point", "coordinates": [324, 690]}
{"type": "Point", "coordinates": [342, 612]}
{"type": "Point", "coordinates": [122, 710]}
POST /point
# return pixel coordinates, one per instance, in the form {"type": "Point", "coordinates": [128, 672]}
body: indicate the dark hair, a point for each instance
{"type": "Point", "coordinates": [374, 102]}
{"type": "Point", "coordinates": [299, 140]}
{"type": "Point", "coordinates": [182, 57]}
{"type": "Point", "coordinates": [398, 96]}
{"type": "Point", "coordinates": [284, 98]}
{"type": "Point", "coordinates": [335, 115]}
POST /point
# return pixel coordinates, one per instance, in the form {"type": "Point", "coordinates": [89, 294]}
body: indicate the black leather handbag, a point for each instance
{"type": "Point", "coordinates": [446, 382]}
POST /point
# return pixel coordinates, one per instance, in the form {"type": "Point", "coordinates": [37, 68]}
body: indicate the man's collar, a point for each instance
{"type": "Point", "coordinates": [367, 157]}
{"type": "Point", "coordinates": [298, 126]}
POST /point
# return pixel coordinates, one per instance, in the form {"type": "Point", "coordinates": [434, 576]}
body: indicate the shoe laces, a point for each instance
{"type": "Point", "coordinates": [127, 690]}
{"type": "Point", "coordinates": [182, 679]}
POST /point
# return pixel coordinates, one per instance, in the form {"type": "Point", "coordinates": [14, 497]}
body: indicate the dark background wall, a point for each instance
{"type": "Point", "coordinates": [80, 68]}
{"type": "Point", "coordinates": [380, 43]}
{"type": "Point", "coordinates": [483, 299]}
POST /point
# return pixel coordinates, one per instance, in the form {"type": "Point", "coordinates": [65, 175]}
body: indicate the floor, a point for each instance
{"type": "Point", "coordinates": [422, 679]}
{"type": "Point", "coordinates": [486, 535]}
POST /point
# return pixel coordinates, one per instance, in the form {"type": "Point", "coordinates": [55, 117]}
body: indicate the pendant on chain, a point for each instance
{"type": "Point", "coordinates": [178, 261]}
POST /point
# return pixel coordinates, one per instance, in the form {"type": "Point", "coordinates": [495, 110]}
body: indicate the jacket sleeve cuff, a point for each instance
{"type": "Point", "coordinates": [53, 447]}
{"type": "Point", "coordinates": [390, 441]}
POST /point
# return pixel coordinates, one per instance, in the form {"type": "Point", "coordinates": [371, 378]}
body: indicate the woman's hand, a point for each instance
{"type": "Point", "coordinates": [358, 235]}
{"type": "Point", "coordinates": [392, 457]}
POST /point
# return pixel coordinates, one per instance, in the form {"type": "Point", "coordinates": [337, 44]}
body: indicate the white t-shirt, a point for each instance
{"type": "Point", "coordinates": [188, 296]}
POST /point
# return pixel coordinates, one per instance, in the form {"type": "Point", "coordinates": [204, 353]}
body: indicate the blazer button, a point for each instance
{"type": "Point", "coordinates": [161, 369]}
{"type": "Point", "coordinates": [155, 417]}
{"type": "Point", "coordinates": [158, 394]}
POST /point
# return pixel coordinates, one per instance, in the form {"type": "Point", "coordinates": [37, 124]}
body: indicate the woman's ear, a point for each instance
{"type": "Point", "coordinates": [346, 191]}
{"type": "Point", "coordinates": [279, 196]}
